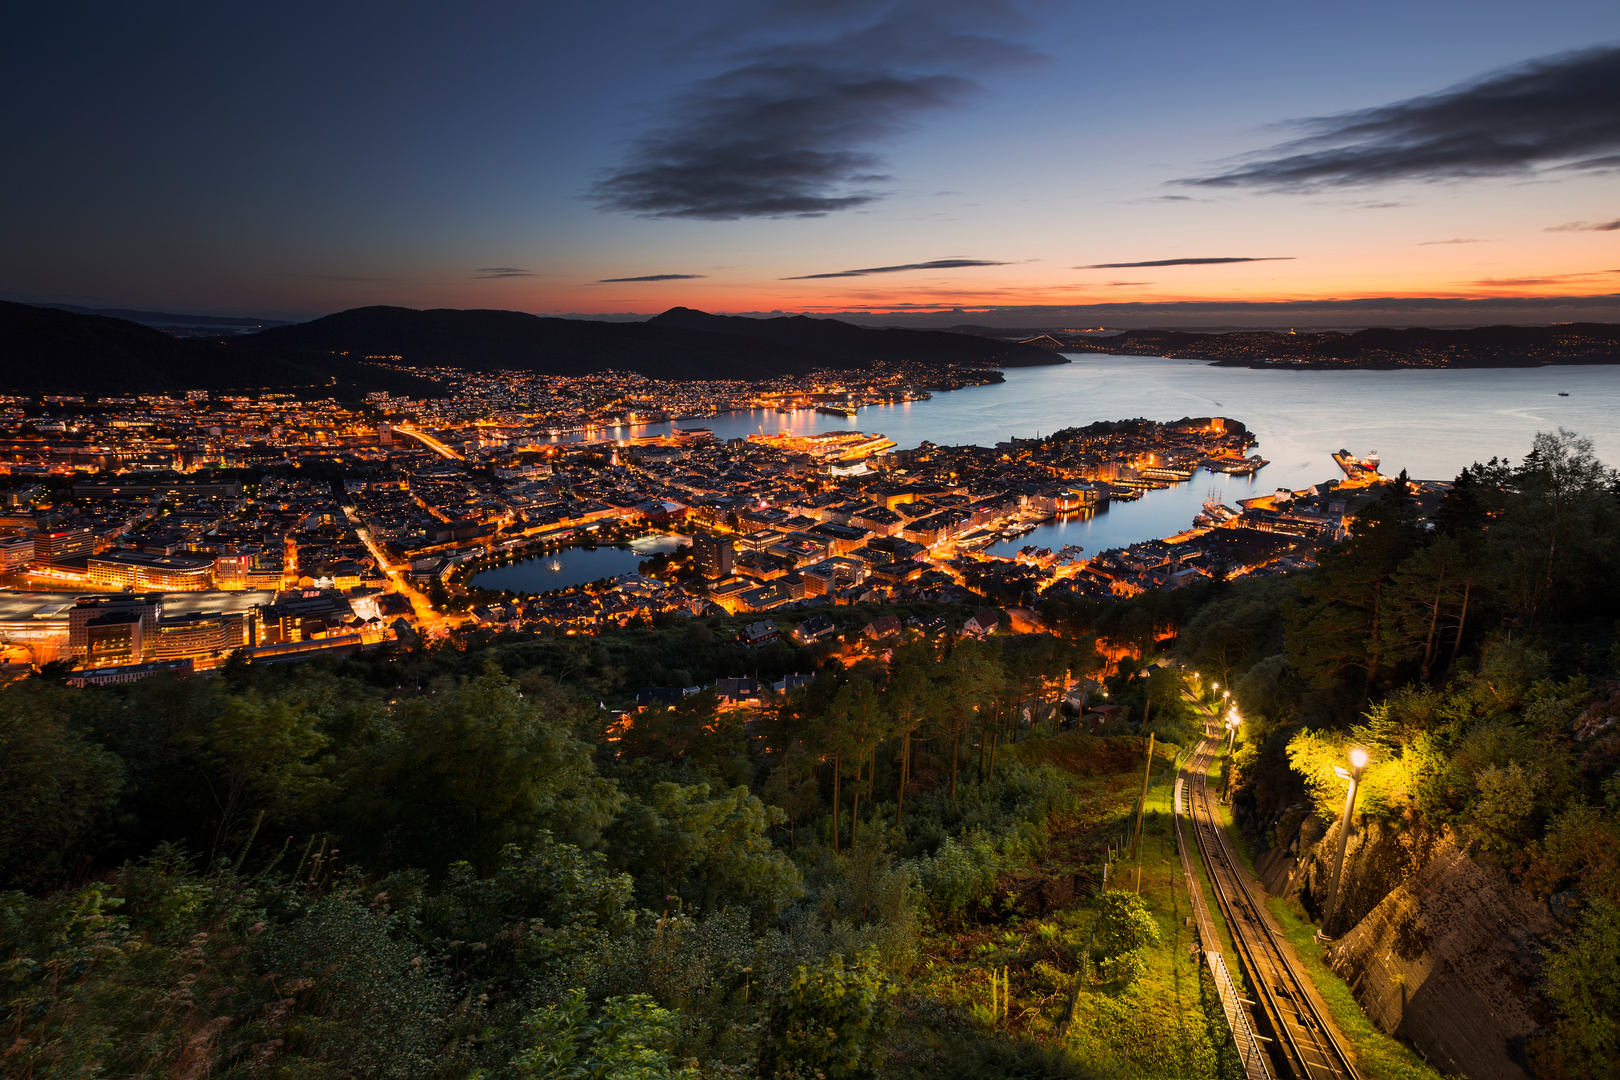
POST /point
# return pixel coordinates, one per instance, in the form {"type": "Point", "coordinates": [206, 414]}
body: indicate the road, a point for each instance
{"type": "Point", "coordinates": [429, 441]}
{"type": "Point", "coordinates": [429, 623]}
{"type": "Point", "coordinates": [1287, 1011]}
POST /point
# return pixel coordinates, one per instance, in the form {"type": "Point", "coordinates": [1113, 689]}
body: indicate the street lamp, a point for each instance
{"type": "Point", "coordinates": [1233, 722]}
{"type": "Point", "coordinates": [1358, 762]}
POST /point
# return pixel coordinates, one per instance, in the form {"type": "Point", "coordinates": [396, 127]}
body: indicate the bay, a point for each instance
{"type": "Point", "coordinates": [1431, 422]}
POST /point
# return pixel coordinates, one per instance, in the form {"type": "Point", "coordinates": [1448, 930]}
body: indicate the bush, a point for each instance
{"type": "Point", "coordinates": [1583, 984]}
{"type": "Point", "coordinates": [830, 1023]}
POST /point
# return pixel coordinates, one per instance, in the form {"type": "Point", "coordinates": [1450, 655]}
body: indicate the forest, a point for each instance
{"type": "Point", "coordinates": [457, 861]}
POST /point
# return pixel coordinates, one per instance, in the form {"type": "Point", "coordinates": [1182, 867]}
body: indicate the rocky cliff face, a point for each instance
{"type": "Point", "coordinates": [1442, 952]}
{"type": "Point", "coordinates": [1447, 961]}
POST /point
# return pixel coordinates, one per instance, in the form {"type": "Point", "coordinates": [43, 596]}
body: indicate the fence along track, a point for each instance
{"type": "Point", "coordinates": [1303, 1046]}
{"type": "Point", "coordinates": [1250, 1052]}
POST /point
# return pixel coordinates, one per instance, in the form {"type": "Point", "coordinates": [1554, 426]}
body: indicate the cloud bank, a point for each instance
{"type": "Point", "coordinates": [1585, 226]}
{"type": "Point", "coordinates": [1558, 112]}
{"type": "Point", "coordinates": [485, 273]}
{"type": "Point", "coordinates": [650, 277]}
{"type": "Point", "coordinates": [937, 264]}
{"type": "Point", "coordinates": [1187, 262]}
{"type": "Point", "coordinates": [788, 130]}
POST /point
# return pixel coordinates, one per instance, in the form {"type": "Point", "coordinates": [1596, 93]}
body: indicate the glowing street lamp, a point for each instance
{"type": "Point", "coordinates": [1233, 722]}
{"type": "Point", "coordinates": [1358, 762]}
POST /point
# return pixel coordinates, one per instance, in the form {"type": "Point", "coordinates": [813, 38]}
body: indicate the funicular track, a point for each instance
{"type": "Point", "coordinates": [1302, 1045]}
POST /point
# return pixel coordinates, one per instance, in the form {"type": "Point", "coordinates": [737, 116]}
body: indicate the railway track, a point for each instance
{"type": "Point", "coordinates": [1302, 1045]}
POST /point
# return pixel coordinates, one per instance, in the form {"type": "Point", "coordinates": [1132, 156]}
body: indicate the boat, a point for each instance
{"type": "Point", "coordinates": [1563, 393]}
{"type": "Point", "coordinates": [1358, 468]}
{"type": "Point", "coordinates": [836, 410]}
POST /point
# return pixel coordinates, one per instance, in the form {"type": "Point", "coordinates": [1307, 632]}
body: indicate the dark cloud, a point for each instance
{"type": "Point", "coordinates": [789, 129]}
{"type": "Point", "coordinates": [937, 264]}
{"type": "Point", "coordinates": [1585, 226]}
{"type": "Point", "coordinates": [1461, 240]}
{"type": "Point", "coordinates": [1557, 112]}
{"type": "Point", "coordinates": [484, 273]}
{"type": "Point", "coordinates": [1185, 262]}
{"type": "Point", "coordinates": [650, 277]}
{"type": "Point", "coordinates": [1554, 279]}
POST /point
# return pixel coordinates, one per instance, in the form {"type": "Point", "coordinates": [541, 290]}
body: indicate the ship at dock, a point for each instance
{"type": "Point", "coordinates": [1358, 468]}
{"type": "Point", "coordinates": [836, 410]}
{"type": "Point", "coordinates": [1237, 466]}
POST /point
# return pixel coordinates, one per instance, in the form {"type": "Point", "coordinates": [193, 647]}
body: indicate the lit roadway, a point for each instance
{"type": "Point", "coordinates": [430, 622]}
{"type": "Point", "coordinates": [429, 441]}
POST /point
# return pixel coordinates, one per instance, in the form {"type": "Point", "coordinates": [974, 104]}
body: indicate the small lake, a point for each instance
{"type": "Point", "coordinates": [576, 565]}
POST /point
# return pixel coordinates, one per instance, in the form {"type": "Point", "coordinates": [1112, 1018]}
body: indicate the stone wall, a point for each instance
{"type": "Point", "coordinates": [1447, 962]}
{"type": "Point", "coordinates": [1440, 951]}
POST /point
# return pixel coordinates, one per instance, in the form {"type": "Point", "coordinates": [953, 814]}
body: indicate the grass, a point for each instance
{"type": "Point", "coordinates": [1166, 1024]}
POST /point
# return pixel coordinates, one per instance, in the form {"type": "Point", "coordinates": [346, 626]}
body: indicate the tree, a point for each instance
{"type": "Point", "coordinates": [56, 786]}
{"type": "Point", "coordinates": [708, 848]}
{"type": "Point", "coordinates": [908, 697]}
{"type": "Point", "coordinates": [464, 771]}
{"type": "Point", "coordinates": [1554, 541]}
{"type": "Point", "coordinates": [1338, 627]}
{"type": "Point", "coordinates": [1583, 984]}
{"type": "Point", "coordinates": [970, 680]}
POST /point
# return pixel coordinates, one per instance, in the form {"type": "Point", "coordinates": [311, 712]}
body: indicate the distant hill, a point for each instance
{"type": "Point", "coordinates": [47, 350]}
{"type": "Point", "coordinates": [54, 350]}
{"type": "Point", "coordinates": [680, 344]}
{"type": "Point", "coordinates": [856, 345]}
{"type": "Point", "coordinates": [1480, 346]}
{"type": "Point", "coordinates": [237, 323]}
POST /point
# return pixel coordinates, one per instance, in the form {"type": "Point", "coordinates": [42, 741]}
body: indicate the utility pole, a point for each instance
{"type": "Point", "coordinates": [1142, 806]}
{"type": "Point", "coordinates": [1358, 762]}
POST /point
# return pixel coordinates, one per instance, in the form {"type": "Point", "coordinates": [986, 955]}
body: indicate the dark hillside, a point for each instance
{"type": "Point", "coordinates": [858, 345]}
{"type": "Point", "coordinates": [493, 340]}
{"type": "Point", "coordinates": [46, 350]}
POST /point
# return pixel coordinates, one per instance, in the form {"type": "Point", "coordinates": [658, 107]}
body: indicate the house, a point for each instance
{"type": "Point", "coordinates": [792, 682]}
{"type": "Point", "coordinates": [982, 623]}
{"type": "Point", "coordinates": [759, 633]}
{"type": "Point", "coordinates": [659, 696]}
{"type": "Point", "coordinates": [815, 628]}
{"type": "Point", "coordinates": [878, 629]}
{"type": "Point", "coordinates": [738, 691]}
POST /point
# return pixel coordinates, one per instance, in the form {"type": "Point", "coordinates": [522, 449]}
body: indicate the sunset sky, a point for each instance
{"type": "Point", "coordinates": [296, 159]}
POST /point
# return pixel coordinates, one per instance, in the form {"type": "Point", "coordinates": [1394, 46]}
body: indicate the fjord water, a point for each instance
{"type": "Point", "coordinates": [1431, 422]}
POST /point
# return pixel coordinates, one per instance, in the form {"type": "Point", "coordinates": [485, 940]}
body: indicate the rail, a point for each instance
{"type": "Point", "coordinates": [1303, 1045]}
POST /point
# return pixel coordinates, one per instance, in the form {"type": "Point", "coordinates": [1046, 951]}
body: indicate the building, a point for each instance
{"type": "Point", "coordinates": [16, 552]}
{"type": "Point", "coordinates": [128, 673]}
{"type": "Point", "coordinates": [713, 555]}
{"type": "Point", "coordinates": [112, 629]}
{"type": "Point", "coordinates": [145, 570]}
{"type": "Point", "coordinates": [759, 633]}
{"type": "Point", "coordinates": [59, 547]}
{"type": "Point", "coordinates": [815, 628]}
{"type": "Point", "coordinates": [205, 636]}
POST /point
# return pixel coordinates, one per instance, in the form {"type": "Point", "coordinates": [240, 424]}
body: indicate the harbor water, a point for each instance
{"type": "Point", "coordinates": [1431, 422]}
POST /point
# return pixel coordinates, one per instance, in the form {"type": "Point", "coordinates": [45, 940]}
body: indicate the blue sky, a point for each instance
{"type": "Point", "coordinates": [297, 159]}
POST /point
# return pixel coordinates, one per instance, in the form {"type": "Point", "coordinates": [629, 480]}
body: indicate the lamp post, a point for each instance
{"type": "Point", "coordinates": [1233, 722]}
{"type": "Point", "coordinates": [1358, 762]}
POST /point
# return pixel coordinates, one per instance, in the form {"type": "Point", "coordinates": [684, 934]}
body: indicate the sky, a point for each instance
{"type": "Point", "coordinates": [1030, 161]}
